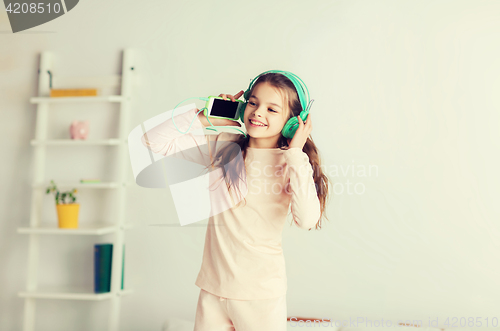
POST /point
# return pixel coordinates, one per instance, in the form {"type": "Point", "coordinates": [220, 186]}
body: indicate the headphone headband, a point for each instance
{"type": "Point", "coordinates": [300, 86]}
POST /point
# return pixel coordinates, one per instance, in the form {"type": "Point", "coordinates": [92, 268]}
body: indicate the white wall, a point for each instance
{"type": "Point", "coordinates": [409, 87]}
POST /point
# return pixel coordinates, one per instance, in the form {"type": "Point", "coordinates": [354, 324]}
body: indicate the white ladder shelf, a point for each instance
{"type": "Point", "coordinates": [36, 228]}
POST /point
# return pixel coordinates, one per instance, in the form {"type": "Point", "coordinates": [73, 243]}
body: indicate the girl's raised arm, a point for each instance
{"type": "Point", "coordinates": [165, 138]}
{"type": "Point", "coordinates": [168, 138]}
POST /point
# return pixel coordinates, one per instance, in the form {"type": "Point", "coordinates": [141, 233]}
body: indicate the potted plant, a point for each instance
{"type": "Point", "coordinates": [67, 209]}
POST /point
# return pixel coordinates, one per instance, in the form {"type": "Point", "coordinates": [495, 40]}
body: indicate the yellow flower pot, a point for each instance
{"type": "Point", "coordinates": [67, 215]}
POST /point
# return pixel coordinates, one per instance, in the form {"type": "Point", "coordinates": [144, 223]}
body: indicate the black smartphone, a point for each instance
{"type": "Point", "coordinates": [218, 107]}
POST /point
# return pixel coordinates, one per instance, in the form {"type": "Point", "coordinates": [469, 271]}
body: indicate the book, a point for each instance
{"type": "Point", "coordinates": [103, 258]}
{"type": "Point", "coordinates": [56, 93]}
{"type": "Point", "coordinates": [90, 180]}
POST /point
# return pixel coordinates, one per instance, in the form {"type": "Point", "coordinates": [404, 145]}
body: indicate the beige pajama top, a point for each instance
{"type": "Point", "coordinates": [243, 258]}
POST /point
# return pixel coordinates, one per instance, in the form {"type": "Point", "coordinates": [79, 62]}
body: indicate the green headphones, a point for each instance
{"type": "Point", "coordinates": [292, 124]}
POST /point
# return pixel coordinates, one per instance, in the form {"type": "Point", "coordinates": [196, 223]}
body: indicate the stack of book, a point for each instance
{"type": "Point", "coordinates": [89, 92]}
{"type": "Point", "coordinates": [90, 180]}
{"type": "Point", "coordinates": [103, 258]}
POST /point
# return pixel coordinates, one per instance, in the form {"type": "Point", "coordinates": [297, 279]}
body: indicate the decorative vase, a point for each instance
{"type": "Point", "coordinates": [67, 215]}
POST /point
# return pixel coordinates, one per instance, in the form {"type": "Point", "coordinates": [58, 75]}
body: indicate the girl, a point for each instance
{"type": "Point", "coordinates": [242, 278]}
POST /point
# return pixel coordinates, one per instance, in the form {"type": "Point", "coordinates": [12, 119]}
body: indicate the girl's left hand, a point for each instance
{"type": "Point", "coordinates": [300, 137]}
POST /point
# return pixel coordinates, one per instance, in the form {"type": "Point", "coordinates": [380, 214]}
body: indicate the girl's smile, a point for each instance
{"type": "Point", "coordinates": [256, 123]}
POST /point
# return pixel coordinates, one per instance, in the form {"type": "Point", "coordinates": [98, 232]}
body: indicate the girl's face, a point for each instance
{"type": "Point", "coordinates": [265, 115]}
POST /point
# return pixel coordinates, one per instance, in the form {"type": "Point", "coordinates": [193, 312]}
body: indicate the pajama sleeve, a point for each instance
{"type": "Point", "coordinates": [305, 205]}
{"type": "Point", "coordinates": [165, 139]}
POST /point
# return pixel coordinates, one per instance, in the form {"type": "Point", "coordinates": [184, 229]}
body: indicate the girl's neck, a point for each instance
{"type": "Point", "coordinates": [263, 143]}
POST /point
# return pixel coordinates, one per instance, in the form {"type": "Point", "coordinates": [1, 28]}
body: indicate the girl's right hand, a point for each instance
{"type": "Point", "coordinates": [221, 121]}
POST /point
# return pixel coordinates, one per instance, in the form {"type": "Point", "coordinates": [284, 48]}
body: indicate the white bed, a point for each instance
{"type": "Point", "coordinates": [176, 324]}
{"type": "Point", "coordinates": [299, 323]}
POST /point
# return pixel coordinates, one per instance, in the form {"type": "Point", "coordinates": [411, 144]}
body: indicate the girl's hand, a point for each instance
{"type": "Point", "coordinates": [300, 137]}
{"type": "Point", "coordinates": [221, 121]}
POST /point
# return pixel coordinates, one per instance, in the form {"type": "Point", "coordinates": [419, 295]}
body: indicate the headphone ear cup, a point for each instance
{"type": "Point", "coordinates": [290, 127]}
{"type": "Point", "coordinates": [242, 112]}
{"type": "Point", "coordinates": [293, 124]}
{"type": "Point", "coordinates": [246, 95]}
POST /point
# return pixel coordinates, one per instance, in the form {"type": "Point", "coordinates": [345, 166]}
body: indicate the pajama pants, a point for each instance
{"type": "Point", "coordinates": [216, 313]}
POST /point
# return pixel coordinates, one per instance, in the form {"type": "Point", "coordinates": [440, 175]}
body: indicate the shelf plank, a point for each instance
{"type": "Point", "coordinates": [71, 294]}
{"type": "Point", "coordinates": [75, 142]}
{"type": "Point", "coordinates": [109, 98]}
{"type": "Point", "coordinates": [83, 229]}
{"type": "Point", "coordinates": [101, 185]}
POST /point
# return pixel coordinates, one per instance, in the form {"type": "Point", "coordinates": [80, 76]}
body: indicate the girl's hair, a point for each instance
{"type": "Point", "coordinates": [227, 154]}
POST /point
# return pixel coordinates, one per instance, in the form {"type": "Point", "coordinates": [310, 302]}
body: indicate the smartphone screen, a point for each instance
{"type": "Point", "coordinates": [224, 108]}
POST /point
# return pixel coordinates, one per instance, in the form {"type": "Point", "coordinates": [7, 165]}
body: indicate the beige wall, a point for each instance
{"type": "Point", "coordinates": [407, 87]}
